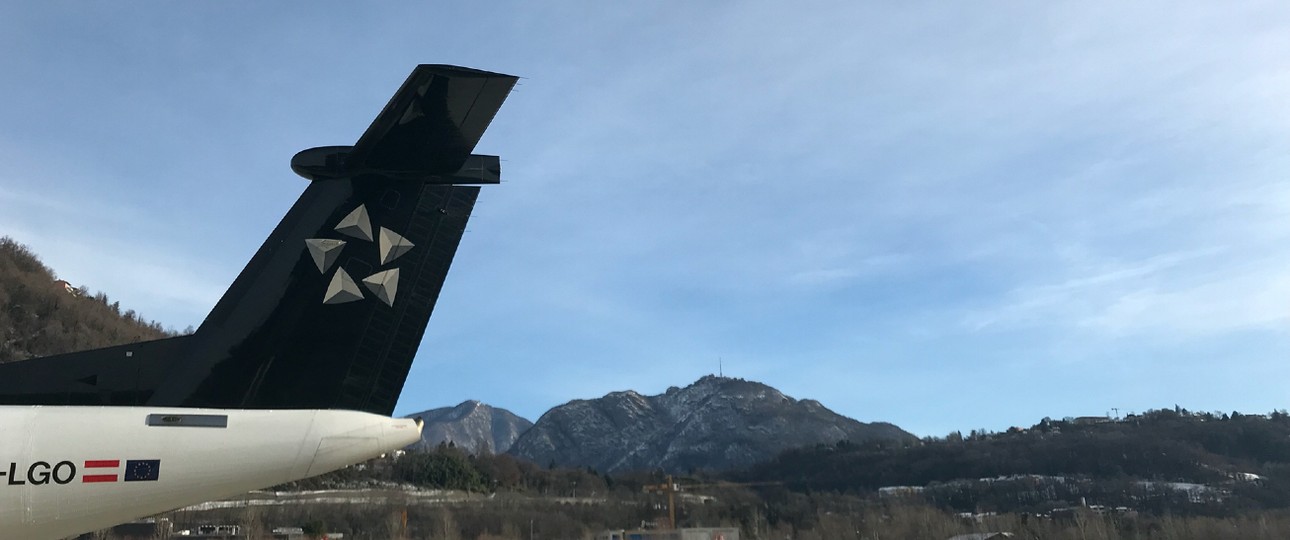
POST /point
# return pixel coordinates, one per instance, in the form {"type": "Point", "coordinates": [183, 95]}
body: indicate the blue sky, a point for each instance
{"type": "Point", "coordinates": [947, 216]}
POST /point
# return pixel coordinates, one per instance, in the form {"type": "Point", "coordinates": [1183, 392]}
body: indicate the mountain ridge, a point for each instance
{"type": "Point", "coordinates": [471, 425]}
{"type": "Point", "coordinates": [716, 423]}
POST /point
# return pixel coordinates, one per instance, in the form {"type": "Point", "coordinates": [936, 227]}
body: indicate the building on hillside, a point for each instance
{"type": "Point", "coordinates": [696, 533]}
{"type": "Point", "coordinates": [66, 287]}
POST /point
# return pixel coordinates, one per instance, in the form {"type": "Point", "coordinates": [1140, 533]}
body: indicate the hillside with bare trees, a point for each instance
{"type": "Point", "coordinates": [41, 316]}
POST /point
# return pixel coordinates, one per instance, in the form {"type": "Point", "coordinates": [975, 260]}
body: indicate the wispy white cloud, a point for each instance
{"type": "Point", "coordinates": [1230, 278]}
{"type": "Point", "coordinates": [853, 268]}
{"type": "Point", "coordinates": [1229, 304]}
{"type": "Point", "coordinates": [1072, 300]}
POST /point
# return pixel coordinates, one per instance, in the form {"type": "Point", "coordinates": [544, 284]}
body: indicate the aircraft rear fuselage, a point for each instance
{"type": "Point", "coordinates": [76, 469]}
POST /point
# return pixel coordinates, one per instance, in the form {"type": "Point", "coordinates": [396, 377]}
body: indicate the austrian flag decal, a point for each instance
{"type": "Point", "coordinates": [110, 470]}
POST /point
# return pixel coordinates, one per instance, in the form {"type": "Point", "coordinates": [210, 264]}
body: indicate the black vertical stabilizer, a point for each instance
{"type": "Point", "coordinates": [294, 333]}
{"type": "Point", "coordinates": [331, 309]}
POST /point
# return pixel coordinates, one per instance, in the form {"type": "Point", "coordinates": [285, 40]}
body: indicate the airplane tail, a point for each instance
{"type": "Point", "coordinates": [330, 311]}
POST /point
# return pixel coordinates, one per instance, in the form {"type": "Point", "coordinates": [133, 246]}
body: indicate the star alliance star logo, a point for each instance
{"type": "Point", "coordinates": [342, 288]}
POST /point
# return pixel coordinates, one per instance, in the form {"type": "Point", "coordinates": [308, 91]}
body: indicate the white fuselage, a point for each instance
{"type": "Point", "coordinates": [70, 470]}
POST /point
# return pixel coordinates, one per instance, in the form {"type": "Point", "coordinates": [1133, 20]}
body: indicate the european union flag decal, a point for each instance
{"type": "Point", "coordinates": [142, 470]}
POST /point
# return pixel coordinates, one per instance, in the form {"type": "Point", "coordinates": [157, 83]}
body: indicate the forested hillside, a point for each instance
{"type": "Point", "coordinates": [40, 317]}
{"type": "Point", "coordinates": [1234, 459]}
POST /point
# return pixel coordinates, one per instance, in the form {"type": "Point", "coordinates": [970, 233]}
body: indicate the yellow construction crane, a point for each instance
{"type": "Point", "coordinates": [670, 488]}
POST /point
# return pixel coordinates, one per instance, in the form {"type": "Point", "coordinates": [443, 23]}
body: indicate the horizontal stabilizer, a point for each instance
{"type": "Point", "coordinates": [434, 121]}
